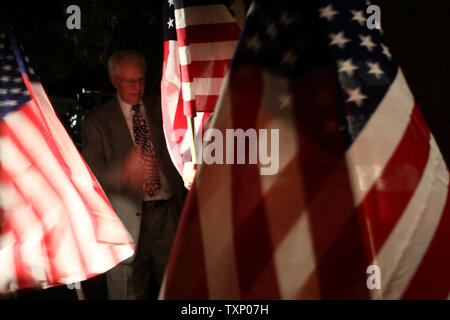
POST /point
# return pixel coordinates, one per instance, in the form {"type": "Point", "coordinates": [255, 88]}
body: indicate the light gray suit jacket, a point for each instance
{"type": "Point", "coordinates": [106, 142]}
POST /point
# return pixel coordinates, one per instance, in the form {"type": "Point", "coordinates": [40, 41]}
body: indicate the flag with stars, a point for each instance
{"type": "Point", "coordinates": [56, 224]}
{"type": "Point", "coordinates": [358, 207]}
{"type": "Point", "coordinates": [199, 41]}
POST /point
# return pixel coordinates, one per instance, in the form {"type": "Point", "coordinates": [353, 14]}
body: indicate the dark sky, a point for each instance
{"type": "Point", "coordinates": [68, 60]}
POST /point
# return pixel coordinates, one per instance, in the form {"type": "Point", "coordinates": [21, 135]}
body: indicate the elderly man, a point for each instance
{"type": "Point", "coordinates": [125, 148]}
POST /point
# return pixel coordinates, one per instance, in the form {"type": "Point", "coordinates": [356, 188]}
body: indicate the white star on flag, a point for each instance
{"type": "Point", "coordinates": [9, 103]}
{"type": "Point", "coordinates": [386, 51]}
{"type": "Point", "coordinates": [356, 96]}
{"type": "Point", "coordinates": [15, 90]}
{"type": "Point", "coordinates": [328, 12]}
{"type": "Point", "coordinates": [347, 66]}
{"type": "Point", "coordinates": [338, 39]}
{"type": "Point", "coordinates": [375, 69]}
{"type": "Point", "coordinates": [286, 19]}
{"type": "Point", "coordinates": [170, 23]}
{"type": "Point", "coordinates": [272, 31]}
{"type": "Point", "coordinates": [366, 41]}
{"type": "Point", "coordinates": [358, 16]}
{"type": "Point", "coordinates": [286, 101]}
{"type": "Point", "coordinates": [289, 58]}
{"type": "Point", "coordinates": [254, 43]}
{"type": "Point", "coordinates": [170, 3]}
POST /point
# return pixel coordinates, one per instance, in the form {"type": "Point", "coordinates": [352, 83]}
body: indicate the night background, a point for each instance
{"type": "Point", "coordinates": [69, 60]}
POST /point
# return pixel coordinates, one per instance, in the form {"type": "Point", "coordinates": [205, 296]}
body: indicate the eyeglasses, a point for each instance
{"type": "Point", "coordinates": [132, 82]}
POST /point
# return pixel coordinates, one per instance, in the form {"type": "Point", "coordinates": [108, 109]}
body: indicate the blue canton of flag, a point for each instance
{"type": "Point", "coordinates": [13, 91]}
{"type": "Point", "coordinates": [365, 66]}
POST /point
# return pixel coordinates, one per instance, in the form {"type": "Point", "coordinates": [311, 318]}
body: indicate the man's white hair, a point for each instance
{"type": "Point", "coordinates": [124, 55]}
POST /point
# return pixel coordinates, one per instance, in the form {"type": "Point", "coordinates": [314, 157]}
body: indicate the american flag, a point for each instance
{"type": "Point", "coordinates": [57, 226]}
{"type": "Point", "coordinates": [359, 207]}
{"type": "Point", "coordinates": [199, 41]}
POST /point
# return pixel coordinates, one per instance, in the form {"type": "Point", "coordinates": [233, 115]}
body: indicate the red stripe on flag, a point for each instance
{"type": "Point", "coordinates": [204, 69]}
{"type": "Point", "coordinates": [202, 33]}
{"type": "Point", "coordinates": [20, 268]}
{"type": "Point", "coordinates": [49, 241]}
{"type": "Point", "coordinates": [189, 108]}
{"type": "Point", "coordinates": [335, 229]}
{"type": "Point", "coordinates": [186, 74]}
{"type": "Point", "coordinates": [186, 273]}
{"type": "Point", "coordinates": [52, 147]}
{"type": "Point", "coordinates": [205, 103]}
{"type": "Point", "coordinates": [38, 120]}
{"type": "Point", "coordinates": [386, 201]}
{"type": "Point", "coordinates": [432, 278]}
{"type": "Point", "coordinates": [252, 242]}
{"type": "Point", "coordinates": [43, 128]}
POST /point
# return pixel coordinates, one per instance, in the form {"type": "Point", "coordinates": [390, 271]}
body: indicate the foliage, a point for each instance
{"type": "Point", "coordinates": [68, 60]}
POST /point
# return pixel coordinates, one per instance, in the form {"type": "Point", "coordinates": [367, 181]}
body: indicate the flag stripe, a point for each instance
{"type": "Point", "coordinates": [205, 103]}
{"type": "Point", "coordinates": [388, 198]}
{"type": "Point", "coordinates": [30, 229]}
{"type": "Point", "coordinates": [219, 32]}
{"type": "Point", "coordinates": [37, 179]}
{"type": "Point", "coordinates": [53, 162]}
{"type": "Point", "coordinates": [8, 273]}
{"type": "Point", "coordinates": [193, 254]}
{"type": "Point", "coordinates": [248, 215]}
{"type": "Point", "coordinates": [284, 193]}
{"type": "Point", "coordinates": [212, 51]}
{"type": "Point", "coordinates": [202, 15]}
{"type": "Point", "coordinates": [205, 69]}
{"type": "Point", "coordinates": [207, 86]}
{"type": "Point", "coordinates": [433, 267]}
{"type": "Point", "coordinates": [216, 221]}
{"type": "Point", "coordinates": [335, 229]}
{"type": "Point", "coordinates": [375, 145]}
{"type": "Point", "coordinates": [401, 254]}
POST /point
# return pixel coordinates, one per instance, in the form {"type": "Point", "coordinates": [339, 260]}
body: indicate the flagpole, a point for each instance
{"type": "Point", "coordinates": [372, 248]}
{"type": "Point", "coordinates": [191, 128]}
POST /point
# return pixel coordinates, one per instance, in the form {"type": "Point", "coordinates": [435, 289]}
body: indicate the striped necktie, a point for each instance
{"type": "Point", "coordinates": [142, 139]}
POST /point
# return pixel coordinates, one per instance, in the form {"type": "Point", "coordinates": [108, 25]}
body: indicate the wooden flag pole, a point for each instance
{"type": "Point", "coordinates": [191, 129]}
{"type": "Point", "coordinates": [372, 248]}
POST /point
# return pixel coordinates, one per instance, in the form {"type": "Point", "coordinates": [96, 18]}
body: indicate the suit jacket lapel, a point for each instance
{"type": "Point", "coordinates": [118, 126]}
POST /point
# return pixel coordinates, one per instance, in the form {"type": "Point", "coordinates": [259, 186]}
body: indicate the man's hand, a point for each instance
{"type": "Point", "coordinates": [133, 171]}
{"type": "Point", "coordinates": [189, 171]}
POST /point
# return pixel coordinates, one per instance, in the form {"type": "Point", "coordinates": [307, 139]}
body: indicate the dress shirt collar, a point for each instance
{"type": "Point", "coordinates": [126, 108]}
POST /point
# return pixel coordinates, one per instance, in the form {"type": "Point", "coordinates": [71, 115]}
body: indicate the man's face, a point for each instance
{"type": "Point", "coordinates": [129, 82]}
